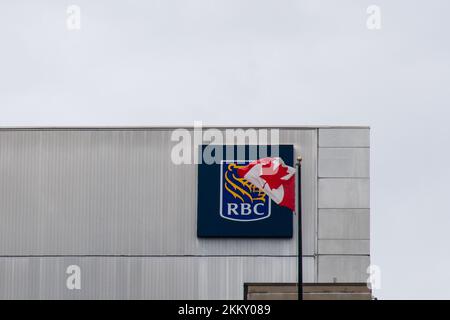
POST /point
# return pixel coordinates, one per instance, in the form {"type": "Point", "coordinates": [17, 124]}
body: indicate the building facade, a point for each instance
{"type": "Point", "coordinates": [111, 201]}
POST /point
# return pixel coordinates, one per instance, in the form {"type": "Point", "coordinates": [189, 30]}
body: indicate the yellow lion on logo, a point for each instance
{"type": "Point", "coordinates": [240, 188]}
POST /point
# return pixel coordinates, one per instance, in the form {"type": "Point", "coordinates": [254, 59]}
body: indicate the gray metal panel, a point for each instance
{"type": "Point", "coordinates": [344, 247]}
{"type": "Point", "coordinates": [344, 162]}
{"type": "Point", "coordinates": [343, 201]}
{"type": "Point", "coordinates": [343, 193]}
{"type": "Point", "coordinates": [92, 192]}
{"type": "Point", "coordinates": [144, 277]}
{"type": "Point", "coordinates": [344, 138]}
{"type": "Point", "coordinates": [344, 224]}
{"type": "Point", "coordinates": [343, 268]}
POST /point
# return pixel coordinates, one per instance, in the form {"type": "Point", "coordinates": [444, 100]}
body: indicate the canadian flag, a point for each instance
{"type": "Point", "coordinates": [275, 178]}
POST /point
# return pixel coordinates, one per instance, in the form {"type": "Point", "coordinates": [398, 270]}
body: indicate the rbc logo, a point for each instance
{"type": "Point", "coordinates": [239, 199]}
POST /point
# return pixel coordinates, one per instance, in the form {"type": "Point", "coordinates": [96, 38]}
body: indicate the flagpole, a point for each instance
{"type": "Point", "coordinates": [299, 232]}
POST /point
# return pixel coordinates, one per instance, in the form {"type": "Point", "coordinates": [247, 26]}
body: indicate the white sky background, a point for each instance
{"type": "Point", "coordinates": [233, 62]}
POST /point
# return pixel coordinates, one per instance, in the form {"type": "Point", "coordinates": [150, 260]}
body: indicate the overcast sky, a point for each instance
{"type": "Point", "coordinates": [303, 62]}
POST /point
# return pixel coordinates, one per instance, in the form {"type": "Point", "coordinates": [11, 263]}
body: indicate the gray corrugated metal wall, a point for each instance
{"type": "Point", "coordinates": [112, 202]}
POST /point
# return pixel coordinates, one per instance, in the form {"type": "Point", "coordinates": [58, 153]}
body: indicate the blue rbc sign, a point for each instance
{"type": "Point", "coordinates": [230, 206]}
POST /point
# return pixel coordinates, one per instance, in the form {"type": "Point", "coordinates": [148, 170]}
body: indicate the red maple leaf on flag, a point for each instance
{"type": "Point", "coordinates": [273, 175]}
